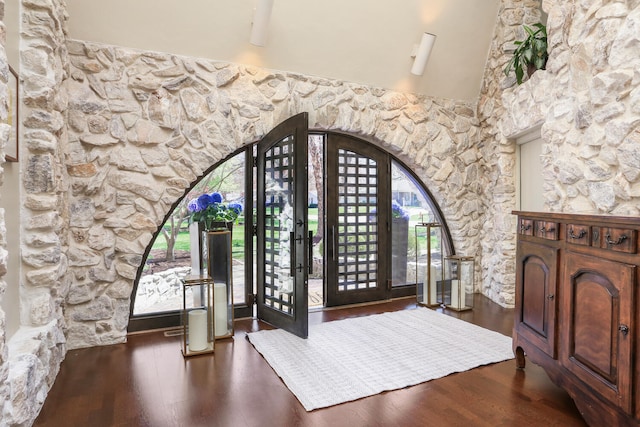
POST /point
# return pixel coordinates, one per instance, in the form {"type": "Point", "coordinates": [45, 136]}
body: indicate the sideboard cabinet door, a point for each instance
{"type": "Point", "coordinates": [536, 302]}
{"type": "Point", "coordinates": [597, 319]}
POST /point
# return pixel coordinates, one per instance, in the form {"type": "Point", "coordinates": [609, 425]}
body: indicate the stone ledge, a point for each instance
{"type": "Point", "coordinates": [35, 354]}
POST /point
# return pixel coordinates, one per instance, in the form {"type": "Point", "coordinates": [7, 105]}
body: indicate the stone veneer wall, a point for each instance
{"type": "Point", "coordinates": [589, 102]}
{"type": "Point", "coordinates": [499, 154]}
{"type": "Point", "coordinates": [36, 350]}
{"type": "Point", "coordinates": [4, 138]}
{"type": "Point", "coordinates": [144, 125]}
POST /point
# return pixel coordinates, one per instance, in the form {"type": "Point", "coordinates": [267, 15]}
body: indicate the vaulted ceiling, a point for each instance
{"type": "Point", "coordinates": [361, 41]}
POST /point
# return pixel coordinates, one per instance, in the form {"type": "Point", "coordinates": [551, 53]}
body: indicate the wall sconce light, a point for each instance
{"type": "Point", "coordinates": [261, 22]}
{"type": "Point", "coordinates": [421, 53]}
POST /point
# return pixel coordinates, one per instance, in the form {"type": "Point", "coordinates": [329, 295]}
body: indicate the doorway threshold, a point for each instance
{"type": "Point", "coordinates": [360, 304]}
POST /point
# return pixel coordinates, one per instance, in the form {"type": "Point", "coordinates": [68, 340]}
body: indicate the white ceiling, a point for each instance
{"type": "Point", "coordinates": [361, 41]}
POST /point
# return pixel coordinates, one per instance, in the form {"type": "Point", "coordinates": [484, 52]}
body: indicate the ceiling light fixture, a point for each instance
{"type": "Point", "coordinates": [421, 53]}
{"type": "Point", "coordinates": [261, 22]}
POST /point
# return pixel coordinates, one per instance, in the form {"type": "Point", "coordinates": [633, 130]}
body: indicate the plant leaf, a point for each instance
{"type": "Point", "coordinates": [539, 45]}
{"type": "Point", "coordinates": [530, 51]}
{"type": "Point", "coordinates": [528, 56]}
{"type": "Point", "coordinates": [519, 74]}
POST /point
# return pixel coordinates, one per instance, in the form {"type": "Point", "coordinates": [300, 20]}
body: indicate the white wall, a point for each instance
{"type": "Point", "coordinates": [10, 201]}
{"type": "Point", "coordinates": [360, 41]}
{"type": "Point", "coordinates": [531, 181]}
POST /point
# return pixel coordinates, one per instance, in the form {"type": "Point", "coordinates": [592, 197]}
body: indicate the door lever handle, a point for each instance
{"type": "Point", "coordinates": [310, 252]}
{"type": "Point", "coordinates": [292, 254]}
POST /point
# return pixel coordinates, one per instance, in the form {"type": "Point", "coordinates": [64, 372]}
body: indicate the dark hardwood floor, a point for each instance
{"type": "Point", "coordinates": [147, 382]}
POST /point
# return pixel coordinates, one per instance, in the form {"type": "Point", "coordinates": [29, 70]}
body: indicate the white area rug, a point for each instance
{"type": "Point", "coordinates": [349, 359]}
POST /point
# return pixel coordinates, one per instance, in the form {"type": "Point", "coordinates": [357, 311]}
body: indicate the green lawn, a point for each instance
{"type": "Point", "coordinates": [183, 242]}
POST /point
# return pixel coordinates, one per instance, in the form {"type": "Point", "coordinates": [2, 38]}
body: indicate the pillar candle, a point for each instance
{"type": "Point", "coordinates": [197, 330]}
{"type": "Point", "coordinates": [196, 292]}
{"type": "Point", "coordinates": [430, 294]}
{"type": "Point", "coordinates": [457, 295]}
{"type": "Point", "coordinates": [220, 308]}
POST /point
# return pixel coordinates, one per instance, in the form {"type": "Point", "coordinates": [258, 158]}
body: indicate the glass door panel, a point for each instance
{"type": "Point", "coordinates": [316, 216]}
{"type": "Point", "coordinates": [357, 222]}
{"type": "Point", "coordinates": [409, 207]}
{"type": "Point", "coordinates": [279, 227]}
{"type": "Point", "coordinates": [159, 289]}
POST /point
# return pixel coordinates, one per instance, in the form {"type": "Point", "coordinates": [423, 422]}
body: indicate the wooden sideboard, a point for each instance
{"type": "Point", "coordinates": [577, 314]}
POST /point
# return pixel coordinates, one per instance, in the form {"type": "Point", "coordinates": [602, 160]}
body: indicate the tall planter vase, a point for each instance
{"type": "Point", "coordinates": [219, 267]}
{"type": "Point", "coordinates": [198, 245]}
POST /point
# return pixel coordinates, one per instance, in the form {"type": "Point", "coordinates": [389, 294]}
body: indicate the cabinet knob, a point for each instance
{"type": "Point", "coordinates": [551, 296]}
{"type": "Point", "coordinates": [624, 329]}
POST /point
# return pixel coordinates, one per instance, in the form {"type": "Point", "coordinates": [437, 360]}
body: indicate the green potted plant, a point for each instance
{"type": "Point", "coordinates": [531, 53]}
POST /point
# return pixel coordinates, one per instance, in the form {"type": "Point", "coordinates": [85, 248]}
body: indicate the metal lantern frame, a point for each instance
{"type": "Point", "coordinates": [458, 282]}
{"type": "Point", "coordinates": [201, 288]}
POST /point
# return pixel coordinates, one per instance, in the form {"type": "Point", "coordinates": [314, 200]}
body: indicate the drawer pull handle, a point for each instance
{"type": "Point", "coordinates": [524, 228]}
{"type": "Point", "coordinates": [579, 236]}
{"type": "Point", "coordinates": [624, 329]}
{"type": "Point", "coordinates": [617, 242]}
{"type": "Point", "coordinates": [544, 230]}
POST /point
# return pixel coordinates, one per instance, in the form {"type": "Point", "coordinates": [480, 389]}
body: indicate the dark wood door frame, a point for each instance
{"type": "Point", "coordinates": [357, 197]}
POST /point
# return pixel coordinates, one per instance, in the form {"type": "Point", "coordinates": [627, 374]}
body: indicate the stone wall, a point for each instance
{"type": "Point", "coordinates": [4, 138]}
{"type": "Point", "coordinates": [38, 348]}
{"type": "Point", "coordinates": [589, 102]}
{"type": "Point", "coordinates": [499, 153]}
{"type": "Point", "coordinates": [144, 125]}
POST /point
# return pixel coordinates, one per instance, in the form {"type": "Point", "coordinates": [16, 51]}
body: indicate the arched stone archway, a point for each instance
{"type": "Point", "coordinates": [155, 295]}
{"type": "Point", "coordinates": [144, 125]}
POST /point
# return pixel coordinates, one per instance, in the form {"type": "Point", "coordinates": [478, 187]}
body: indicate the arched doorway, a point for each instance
{"type": "Point", "coordinates": [360, 209]}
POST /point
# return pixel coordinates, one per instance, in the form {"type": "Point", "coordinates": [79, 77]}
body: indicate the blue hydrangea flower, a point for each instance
{"type": "Point", "coordinates": [398, 211]}
{"type": "Point", "coordinates": [204, 201]}
{"type": "Point", "coordinates": [216, 197]}
{"type": "Point", "coordinates": [237, 207]}
{"type": "Point", "coordinates": [194, 206]}
{"type": "Point", "coordinates": [209, 209]}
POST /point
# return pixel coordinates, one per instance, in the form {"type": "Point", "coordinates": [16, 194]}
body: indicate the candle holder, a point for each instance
{"type": "Point", "coordinates": [197, 315]}
{"type": "Point", "coordinates": [459, 280]}
{"type": "Point", "coordinates": [429, 280]}
{"type": "Point", "coordinates": [220, 271]}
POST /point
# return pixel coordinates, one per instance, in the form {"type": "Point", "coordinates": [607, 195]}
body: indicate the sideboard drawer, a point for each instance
{"type": "Point", "coordinates": [578, 234]}
{"type": "Point", "coordinates": [618, 239]}
{"type": "Point", "coordinates": [547, 230]}
{"type": "Point", "coordinates": [525, 227]}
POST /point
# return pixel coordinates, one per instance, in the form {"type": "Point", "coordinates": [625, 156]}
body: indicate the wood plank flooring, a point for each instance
{"type": "Point", "coordinates": [147, 382]}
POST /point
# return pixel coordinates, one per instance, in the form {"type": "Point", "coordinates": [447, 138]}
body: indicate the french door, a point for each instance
{"type": "Point", "coordinates": [357, 222]}
{"type": "Point", "coordinates": [282, 228]}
